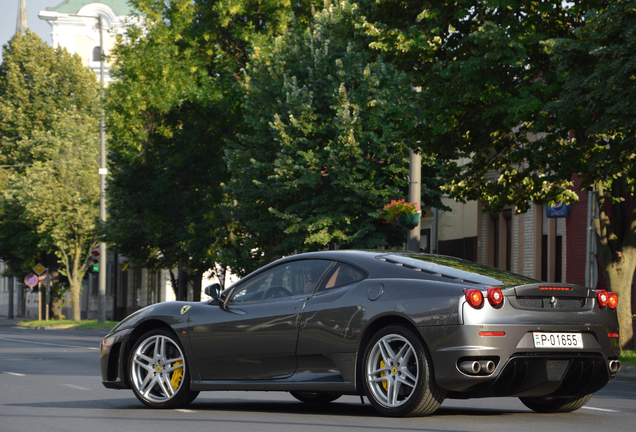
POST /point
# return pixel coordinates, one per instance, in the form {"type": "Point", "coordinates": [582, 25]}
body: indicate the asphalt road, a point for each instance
{"type": "Point", "coordinates": [50, 381]}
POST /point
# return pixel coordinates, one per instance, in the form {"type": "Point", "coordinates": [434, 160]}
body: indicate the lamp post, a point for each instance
{"type": "Point", "coordinates": [103, 171]}
{"type": "Point", "coordinates": [101, 293]}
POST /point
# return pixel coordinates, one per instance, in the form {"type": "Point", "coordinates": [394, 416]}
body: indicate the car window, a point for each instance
{"type": "Point", "coordinates": [456, 268]}
{"type": "Point", "coordinates": [285, 280]}
{"type": "Point", "coordinates": [343, 275]}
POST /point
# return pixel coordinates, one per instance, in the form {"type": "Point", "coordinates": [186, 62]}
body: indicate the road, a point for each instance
{"type": "Point", "coordinates": [50, 380]}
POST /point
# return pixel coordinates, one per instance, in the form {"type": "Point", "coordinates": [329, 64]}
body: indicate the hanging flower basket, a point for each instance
{"type": "Point", "coordinates": [403, 213]}
{"type": "Point", "coordinates": [409, 221]}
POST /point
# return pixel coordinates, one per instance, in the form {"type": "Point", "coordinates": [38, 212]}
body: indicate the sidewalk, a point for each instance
{"type": "Point", "coordinates": [6, 322]}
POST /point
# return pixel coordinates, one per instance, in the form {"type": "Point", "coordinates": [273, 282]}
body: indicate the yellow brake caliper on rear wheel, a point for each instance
{"type": "Point", "coordinates": [176, 375]}
{"type": "Point", "coordinates": [383, 374]}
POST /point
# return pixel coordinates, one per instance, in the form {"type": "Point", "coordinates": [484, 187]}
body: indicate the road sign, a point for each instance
{"type": "Point", "coordinates": [31, 280]}
{"type": "Point", "coordinates": [39, 269]}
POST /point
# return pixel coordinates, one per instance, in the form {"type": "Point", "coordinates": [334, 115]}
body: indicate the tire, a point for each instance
{"type": "Point", "coordinates": [159, 372]}
{"type": "Point", "coordinates": [397, 374]}
{"type": "Point", "coordinates": [314, 397]}
{"type": "Point", "coordinates": [553, 404]}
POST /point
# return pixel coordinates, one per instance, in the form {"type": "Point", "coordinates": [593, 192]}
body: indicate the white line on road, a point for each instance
{"type": "Point", "coordinates": [48, 344]}
{"type": "Point", "coordinates": [76, 387]}
{"type": "Point", "coordinates": [13, 373]}
{"type": "Point", "coordinates": [599, 409]}
{"type": "Point", "coordinates": [185, 410]}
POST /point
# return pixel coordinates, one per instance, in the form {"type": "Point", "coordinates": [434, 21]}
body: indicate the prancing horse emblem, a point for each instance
{"type": "Point", "coordinates": [184, 309]}
{"type": "Point", "coordinates": [553, 302]}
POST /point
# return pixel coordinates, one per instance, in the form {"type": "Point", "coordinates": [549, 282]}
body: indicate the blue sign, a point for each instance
{"type": "Point", "coordinates": [558, 210]}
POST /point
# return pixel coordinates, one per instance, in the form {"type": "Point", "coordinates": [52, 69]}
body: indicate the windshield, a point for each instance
{"type": "Point", "coordinates": [456, 268]}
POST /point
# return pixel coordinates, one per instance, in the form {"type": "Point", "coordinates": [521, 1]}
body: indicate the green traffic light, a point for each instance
{"type": "Point", "coordinates": [95, 268]}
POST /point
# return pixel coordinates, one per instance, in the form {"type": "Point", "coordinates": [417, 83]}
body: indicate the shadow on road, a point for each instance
{"type": "Point", "coordinates": [263, 407]}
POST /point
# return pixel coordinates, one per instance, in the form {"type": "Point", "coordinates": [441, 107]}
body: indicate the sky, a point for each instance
{"type": "Point", "coordinates": [9, 18]}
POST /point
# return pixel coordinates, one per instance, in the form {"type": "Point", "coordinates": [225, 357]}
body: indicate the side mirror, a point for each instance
{"type": "Point", "coordinates": [213, 290]}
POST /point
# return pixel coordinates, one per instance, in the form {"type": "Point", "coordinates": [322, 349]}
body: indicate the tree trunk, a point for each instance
{"type": "Point", "coordinates": [182, 293]}
{"type": "Point", "coordinates": [76, 288]}
{"type": "Point", "coordinates": [196, 285]}
{"type": "Point", "coordinates": [619, 276]}
{"type": "Point", "coordinates": [616, 240]}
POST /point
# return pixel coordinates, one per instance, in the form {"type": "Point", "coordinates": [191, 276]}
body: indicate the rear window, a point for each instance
{"type": "Point", "coordinates": [458, 269]}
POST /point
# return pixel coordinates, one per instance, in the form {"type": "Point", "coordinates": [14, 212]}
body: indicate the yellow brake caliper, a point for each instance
{"type": "Point", "coordinates": [383, 374]}
{"type": "Point", "coordinates": [176, 375]}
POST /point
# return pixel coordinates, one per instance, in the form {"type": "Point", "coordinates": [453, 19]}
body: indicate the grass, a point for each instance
{"type": "Point", "coordinates": [628, 358]}
{"type": "Point", "coordinates": [85, 324]}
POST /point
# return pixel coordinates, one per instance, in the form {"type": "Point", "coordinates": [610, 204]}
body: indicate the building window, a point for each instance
{"type": "Point", "coordinates": [137, 287]}
{"type": "Point", "coordinates": [97, 54]}
{"type": "Point", "coordinates": [507, 214]}
{"type": "Point", "coordinates": [496, 246]}
{"type": "Point", "coordinates": [153, 279]}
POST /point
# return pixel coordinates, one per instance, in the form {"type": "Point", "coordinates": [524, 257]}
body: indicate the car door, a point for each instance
{"type": "Point", "coordinates": [253, 336]}
{"type": "Point", "coordinates": [330, 324]}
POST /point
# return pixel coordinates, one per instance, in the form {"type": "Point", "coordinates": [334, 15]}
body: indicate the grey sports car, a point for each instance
{"type": "Point", "coordinates": [405, 330]}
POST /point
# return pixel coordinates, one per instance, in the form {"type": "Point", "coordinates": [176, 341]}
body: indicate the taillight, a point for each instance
{"type": "Point", "coordinates": [602, 298]}
{"type": "Point", "coordinates": [605, 298]}
{"type": "Point", "coordinates": [474, 297]}
{"type": "Point", "coordinates": [495, 296]}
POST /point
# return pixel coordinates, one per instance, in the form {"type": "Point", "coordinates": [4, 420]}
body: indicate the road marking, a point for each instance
{"type": "Point", "coordinates": [76, 387]}
{"type": "Point", "coordinates": [13, 373]}
{"type": "Point", "coordinates": [599, 409]}
{"type": "Point", "coordinates": [185, 410]}
{"type": "Point", "coordinates": [48, 344]}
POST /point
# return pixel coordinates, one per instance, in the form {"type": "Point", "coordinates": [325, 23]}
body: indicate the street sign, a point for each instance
{"type": "Point", "coordinates": [39, 269]}
{"type": "Point", "coordinates": [31, 280]}
{"type": "Point", "coordinates": [558, 210]}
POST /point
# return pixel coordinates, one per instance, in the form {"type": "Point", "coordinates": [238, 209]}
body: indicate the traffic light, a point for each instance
{"type": "Point", "coordinates": [95, 257]}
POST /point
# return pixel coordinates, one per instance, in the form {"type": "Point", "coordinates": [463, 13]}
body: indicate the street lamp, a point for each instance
{"type": "Point", "coordinates": [103, 171]}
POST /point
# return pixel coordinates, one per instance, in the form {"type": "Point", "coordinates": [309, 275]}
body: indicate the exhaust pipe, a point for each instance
{"type": "Point", "coordinates": [487, 366]}
{"type": "Point", "coordinates": [614, 366]}
{"type": "Point", "coordinates": [470, 367]}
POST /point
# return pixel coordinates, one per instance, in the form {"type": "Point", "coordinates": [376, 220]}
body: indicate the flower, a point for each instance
{"type": "Point", "coordinates": [396, 208]}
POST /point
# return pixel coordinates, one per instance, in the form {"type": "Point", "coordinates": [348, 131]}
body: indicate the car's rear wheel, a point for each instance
{"type": "Point", "coordinates": [398, 374]}
{"type": "Point", "coordinates": [159, 373]}
{"type": "Point", "coordinates": [314, 397]}
{"type": "Point", "coordinates": [550, 404]}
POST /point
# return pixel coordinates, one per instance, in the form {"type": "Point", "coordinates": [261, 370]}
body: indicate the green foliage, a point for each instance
{"type": "Point", "coordinates": [486, 77]}
{"type": "Point", "coordinates": [49, 112]}
{"type": "Point", "coordinates": [176, 99]}
{"type": "Point", "coordinates": [628, 358]}
{"type": "Point", "coordinates": [325, 149]}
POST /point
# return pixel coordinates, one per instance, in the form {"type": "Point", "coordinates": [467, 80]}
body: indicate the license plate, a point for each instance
{"type": "Point", "coordinates": [558, 340]}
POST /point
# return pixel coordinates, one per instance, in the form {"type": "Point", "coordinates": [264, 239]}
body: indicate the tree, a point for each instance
{"type": "Point", "coordinates": [596, 71]}
{"type": "Point", "coordinates": [49, 111]}
{"type": "Point", "coordinates": [505, 84]}
{"type": "Point", "coordinates": [60, 200]}
{"type": "Point", "coordinates": [324, 150]}
{"type": "Point", "coordinates": [176, 99]}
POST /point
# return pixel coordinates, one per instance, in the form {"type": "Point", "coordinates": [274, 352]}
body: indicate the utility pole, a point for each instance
{"type": "Point", "coordinates": [415, 195]}
{"type": "Point", "coordinates": [101, 294]}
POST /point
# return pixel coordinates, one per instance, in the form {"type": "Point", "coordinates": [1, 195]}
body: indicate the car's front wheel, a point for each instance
{"type": "Point", "coordinates": [550, 404]}
{"type": "Point", "coordinates": [398, 374]}
{"type": "Point", "coordinates": [159, 373]}
{"type": "Point", "coordinates": [314, 397]}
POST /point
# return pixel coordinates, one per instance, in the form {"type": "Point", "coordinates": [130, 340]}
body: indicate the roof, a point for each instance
{"type": "Point", "coordinates": [121, 7]}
